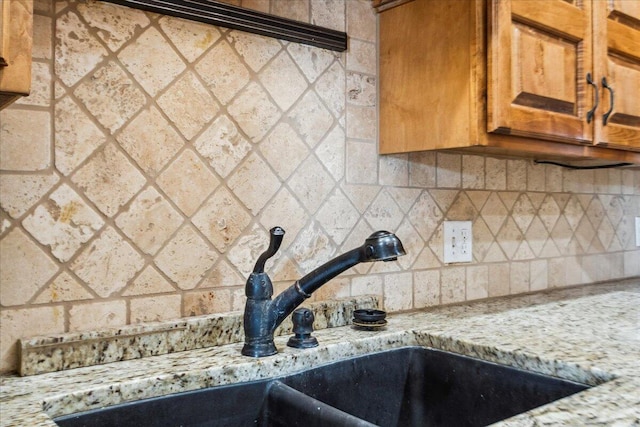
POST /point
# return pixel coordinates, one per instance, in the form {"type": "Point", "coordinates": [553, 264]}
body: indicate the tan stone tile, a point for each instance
{"type": "Point", "coordinates": [191, 38]}
{"type": "Point", "coordinates": [494, 213]}
{"type": "Point", "coordinates": [477, 282]}
{"type": "Point", "coordinates": [330, 88]}
{"type": "Point", "coordinates": [509, 237]}
{"type": "Point", "coordinates": [473, 172]}
{"type": "Point", "coordinates": [361, 122]}
{"type": "Point", "coordinates": [328, 14]}
{"type": "Point", "coordinates": [254, 112]}
{"type": "Point", "coordinates": [149, 221]}
{"type": "Point", "coordinates": [311, 184]}
{"type": "Point", "coordinates": [63, 222]}
{"type": "Point", "coordinates": [188, 104]}
{"type": "Point", "coordinates": [107, 264]}
{"type": "Point", "coordinates": [500, 278]}
{"type": "Point", "coordinates": [64, 288]}
{"type": "Point", "coordinates": [298, 10]}
{"type": "Point", "coordinates": [361, 57]}
{"type": "Point", "coordinates": [254, 183]}
{"type": "Point", "coordinates": [452, 284]}
{"type": "Point", "coordinates": [398, 291]}
{"type": "Point", "coordinates": [536, 177]}
{"type": "Point", "coordinates": [312, 248]}
{"type": "Point", "coordinates": [519, 278]}
{"type": "Point", "coordinates": [97, 315]}
{"type": "Point", "coordinates": [77, 51]}
{"type": "Point", "coordinates": [198, 303]}
{"type": "Point", "coordinates": [230, 74]}
{"type": "Point", "coordinates": [411, 242]}
{"type": "Point", "coordinates": [155, 308]}
{"type": "Point", "coordinates": [549, 212]}
{"type": "Point", "coordinates": [367, 285]}
{"type": "Point", "coordinates": [425, 216]}
{"type": "Point", "coordinates": [536, 236]}
{"type": "Point", "coordinates": [283, 81]}
{"type": "Point", "coordinates": [516, 175]}
{"type": "Point", "coordinates": [337, 216]}
{"type": "Point", "coordinates": [24, 268]}
{"type": "Point", "coordinates": [361, 20]}
{"type": "Point", "coordinates": [495, 174]}
{"type": "Point", "coordinates": [244, 254]}
{"type": "Point", "coordinates": [462, 209]}
{"type": "Point", "coordinates": [186, 258]}
{"type": "Point", "coordinates": [284, 150]}
{"type": "Point", "coordinates": [426, 288]}
{"type": "Point", "coordinates": [222, 219]}
{"type": "Point", "coordinates": [384, 213]}
{"type": "Point", "coordinates": [312, 61]}
{"type": "Point", "coordinates": [539, 275]}
{"type": "Point", "coordinates": [553, 178]}
{"type": "Point", "coordinates": [394, 170]}
{"type": "Point", "coordinates": [148, 282]}
{"type": "Point", "coordinates": [223, 146]}
{"type": "Point", "coordinates": [152, 61]}
{"type": "Point", "coordinates": [310, 118]}
{"type": "Point", "coordinates": [523, 212]}
{"type": "Point", "coordinates": [24, 323]}
{"type": "Point", "coordinates": [361, 163]}
{"type": "Point", "coordinates": [361, 90]}
{"type": "Point", "coordinates": [331, 152]}
{"type": "Point", "coordinates": [223, 275]}
{"type": "Point", "coordinates": [21, 192]}
{"type": "Point", "coordinates": [76, 136]}
{"type": "Point", "coordinates": [25, 140]}
{"type": "Point", "coordinates": [40, 94]}
{"type": "Point", "coordinates": [119, 98]}
{"type": "Point", "coordinates": [422, 169]}
{"type": "Point", "coordinates": [109, 180]}
{"type": "Point", "coordinates": [284, 210]}
{"type": "Point", "coordinates": [448, 173]}
{"type": "Point", "coordinates": [482, 239]}
{"type": "Point", "coordinates": [113, 24]}
{"type": "Point", "coordinates": [188, 182]}
{"type": "Point", "coordinates": [339, 287]}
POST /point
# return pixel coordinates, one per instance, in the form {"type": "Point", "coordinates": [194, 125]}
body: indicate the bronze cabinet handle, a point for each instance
{"type": "Point", "coordinates": [605, 116]}
{"type": "Point", "coordinates": [592, 112]}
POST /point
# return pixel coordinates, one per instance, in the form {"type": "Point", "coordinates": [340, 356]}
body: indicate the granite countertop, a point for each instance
{"type": "Point", "coordinates": [589, 334]}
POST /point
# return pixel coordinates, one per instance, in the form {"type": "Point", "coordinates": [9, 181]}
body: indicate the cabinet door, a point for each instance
{"type": "Point", "coordinates": [617, 53]}
{"type": "Point", "coordinates": [539, 55]}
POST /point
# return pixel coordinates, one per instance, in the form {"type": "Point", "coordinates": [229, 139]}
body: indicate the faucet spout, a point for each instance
{"type": "Point", "coordinates": [263, 315]}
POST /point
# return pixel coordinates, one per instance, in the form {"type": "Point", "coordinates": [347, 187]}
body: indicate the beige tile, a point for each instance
{"type": "Point", "coordinates": [41, 78]}
{"type": "Point", "coordinates": [284, 150]}
{"type": "Point", "coordinates": [21, 192]}
{"type": "Point", "coordinates": [297, 10]}
{"type": "Point", "coordinates": [449, 170]}
{"type": "Point", "coordinates": [477, 282]}
{"type": "Point", "coordinates": [495, 174]}
{"type": "Point", "coordinates": [191, 38]}
{"type": "Point", "coordinates": [223, 146]}
{"type": "Point", "coordinates": [150, 281]}
{"type": "Point", "coordinates": [25, 140]}
{"type": "Point", "coordinates": [367, 285]}
{"type": "Point", "coordinates": [223, 275]}
{"type": "Point", "coordinates": [337, 216]}
{"type": "Point", "coordinates": [516, 175]}
{"type": "Point", "coordinates": [384, 213]}
{"type": "Point", "coordinates": [361, 163]}
{"type": "Point", "coordinates": [426, 288]}
{"type": "Point", "coordinates": [361, 57]}
{"type": "Point", "coordinates": [398, 291]}
{"type": "Point", "coordinates": [107, 263]}
{"type": "Point", "coordinates": [119, 97]}
{"type": "Point", "coordinates": [97, 315]}
{"type": "Point", "coordinates": [331, 152]}
{"type": "Point", "coordinates": [310, 118]}
{"type": "Point", "coordinates": [188, 182]}
{"type": "Point", "coordinates": [328, 14]}
{"type": "Point", "coordinates": [330, 88]}
{"type": "Point", "coordinates": [473, 172]}
{"type": "Point", "coordinates": [425, 215]}
{"type": "Point", "coordinates": [113, 24]}
{"type": "Point", "coordinates": [76, 136]}
{"type": "Point", "coordinates": [361, 20]}
{"type": "Point", "coordinates": [255, 51]}
{"type": "Point", "coordinates": [452, 284]}
{"type": "Point", "coordinates": [186, 258]}
{"type": "Point", "coordinates": [197, 303]}
{"type": "Point", "coordinates": [539, 275]}
{"type": "Point", "coordinates": [536, 177]}
{"type": "Point", "coordinates": [254, 183]}
{"type": "Point", "coordinates": [284, 210]}
{"type": "Point", "coordinates": [312, 248]}
{"type": "Point", "coordinates": [63, 288]}
{"type": "Point", "coordinates": [189, 105]}
{"type": "Point", "coordinates": [148, 54]}
{"type": "Point", "coordinates": [63, 222]}
{"type": "Point", "coordinates": [422, 169]}
{"type": "Point", "coordinates": [394, 170]}
{"type": "Point", "coordinates": [520, 278]}
{"type": "Point", "coordinates": [24, 323]}
{"type": "Point", "coordinates": [283, 81]}
{"type": "Point", "coordinates": [500, 278]}
{"type": "Point", "coordinates": [361, 122]}
{"type": "Point", "coordinates": [312, 61]}
{"type": "Point", "coordinates": [311, 184]}
{"type": "Point", "coordinates": [149, 221]}
{"type": "Point", "coordinates": [222, 219]}
{"type": "Point", "coordinates": [254, 112]}
{"type": "Point", "coordinates": [230, 74]}
{"type": "Point", "coordinates": [77, 51]}
{"type": "Point", "coordinates": [109, 180]}
{"type": "Point", "coordinates": [361, 90]}
{"type": "Point", "coordinates": [155, 308]}
{"type": "Point", "coordinates": [24, 268]}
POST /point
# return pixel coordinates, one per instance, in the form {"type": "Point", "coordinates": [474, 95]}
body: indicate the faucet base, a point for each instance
{"type": "Point", "coordinates": [259, 349]}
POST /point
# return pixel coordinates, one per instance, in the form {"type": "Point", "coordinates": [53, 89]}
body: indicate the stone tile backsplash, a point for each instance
{"type": "Point", "coordinates": [141, 177]}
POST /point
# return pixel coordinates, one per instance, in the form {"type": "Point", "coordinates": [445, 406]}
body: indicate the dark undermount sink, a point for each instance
{"type": "Point", "coordinates": [410, 386]}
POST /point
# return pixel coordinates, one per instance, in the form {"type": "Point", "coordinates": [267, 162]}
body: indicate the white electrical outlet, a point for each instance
{"type": "Point", "coordinates": [458, 241]}
{"type": "Point", "coordinates": [638, 231]}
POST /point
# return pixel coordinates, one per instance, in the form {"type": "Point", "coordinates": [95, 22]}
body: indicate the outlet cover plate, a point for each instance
{"type": "Point", "coordinates": [458, 241]}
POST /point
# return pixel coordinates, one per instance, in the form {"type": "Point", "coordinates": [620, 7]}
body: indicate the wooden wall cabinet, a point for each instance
{"type": "Point", "coordinates": [16, 41]}
{"type": "Point", "coordinates": [509, 77]}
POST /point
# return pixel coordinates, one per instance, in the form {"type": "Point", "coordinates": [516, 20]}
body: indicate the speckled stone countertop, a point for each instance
{"type": "Point", "coordinates": [588, 334]}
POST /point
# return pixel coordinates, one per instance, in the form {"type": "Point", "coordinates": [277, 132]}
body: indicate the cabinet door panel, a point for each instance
{"type": "Point", "coordinates": [539, 58]}
{"type": "Point", "coordinates": [618, 27]}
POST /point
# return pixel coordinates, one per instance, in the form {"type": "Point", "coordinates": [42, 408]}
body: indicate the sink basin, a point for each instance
{"type": "Point", "coordinates": [410, 386]}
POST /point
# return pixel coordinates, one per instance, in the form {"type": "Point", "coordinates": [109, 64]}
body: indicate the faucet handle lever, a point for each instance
{"type": "Point", "coordinates": [277, 234]}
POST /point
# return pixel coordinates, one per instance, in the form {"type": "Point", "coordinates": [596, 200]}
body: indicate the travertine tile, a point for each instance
{"type": "Point", "coordinates": [516, 175]}
{"type": "Point", "coordinates": [149, 221]}
{"type": "Point", "coordinates": [311, 184]}
{"type": "Point", "coordinates": [477, 282]}
{"type": "Point", "coordinates": [21, 192]}
{"type": "Point", "coordinates": [426, 288]}
{"type": "Point", "coordinates": [107, 263]}
{"type": "Point", "coordinates": [150, 281]}
{"type": "Point", "coordinates": [495, 174]}
{"type": "Point", "coordinates": [384, 213]}
{"type": "Point", "coordinates": [398, 291]}
{"type": "Point", "coordinates": [331, 152]}
{"type": "Point", "coordinates": [200, 302]}
{"type": "Point", "coordinates": [223, 72]}
{"type": "Point", "coordinates": [337, 216]}
{"type": "Point", "coordinates": [97, 315]}
{"type": "Point", "coordinates": [328, 14]}
{"type": "Point", "coordinates": [362, 163]}
{"type": "Point", "coordinates": [422, 169]}
{"type": "Point", "coordinates": [24, 268]}
{"type": "Point", "coordinates": [330, 88]}
{"type": "Point", "coordinates": [77, 52]}
{"type": "Point", "coordinates": [361, 57]}
{"type": "Point", "coordinates": [367, 285]}
{"type": "Point", "coordinates": [155, 308]}
{"type": "Point", "coordinates": [188, 182]}
{"type": "Point", "coordinates": [452, 284]}
{"type": "Point", "coordinates": [63, 222]}
{"type": "Point", "coordinates": [186, 258]}
{"type": "Point", "coordinates": [310, 118]}
{"type": "Point", "coordinates": [394, 170]}
{"type": "Point", "coordinates": [189, 105]}
{"type": "Point", "coordinates": [523, 212]}
{"type": "Point", "coordinates": [298, 10]}
{"type": "Point", "coordinates": [312, 61]}
{"type": "Point", "coordinates": [286, 211]}
{"type": "Point", "coordinates": [254, 112]}
{"type": "Point", "coordinates": [520, 277]}
{"type": "Point", "coordinates": [284, 150]}
{"type": "Point", "coordinates": [222, 219]}
{"type": "Point", "coordinates": [361, 122]}
{"type": "Point", "coordinates": [63, 288]}
{"type": "Point", "coordinates": [449, 170]}
{"type": "Point", "coordinates": [150, 52]}
{"type": "Point", "coordinates": [499, 277]}
{"type": "Point", "coordinates": [76, 136]}
{"type": "Point", "coordinates": [473, 172]}
{"type": "Point", "coordinates": [120, 99]}
{"type": "Point", "coordinates": [109, 180]}
{"type": "Point", "coordinates": [191, 38]}
{"type": "Point", "coordinates": [254, 183]}
{"type": "Point", "coordinates": [223, 275]}
{"type": "Point", "coordinates": [223, 145]}
{"type": "Point", "coordinates": [283, 81]}
{"type": "Point", "coordinates": [312, 248]}
{"type": "Point", "coordinates": [25, 140]}
{"type": "Point", "coordinates": [40, 95]}
{"type": "Point", "coordinates": [114, 25]}
{"type": "Point", "coordinates": [361, 20]}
